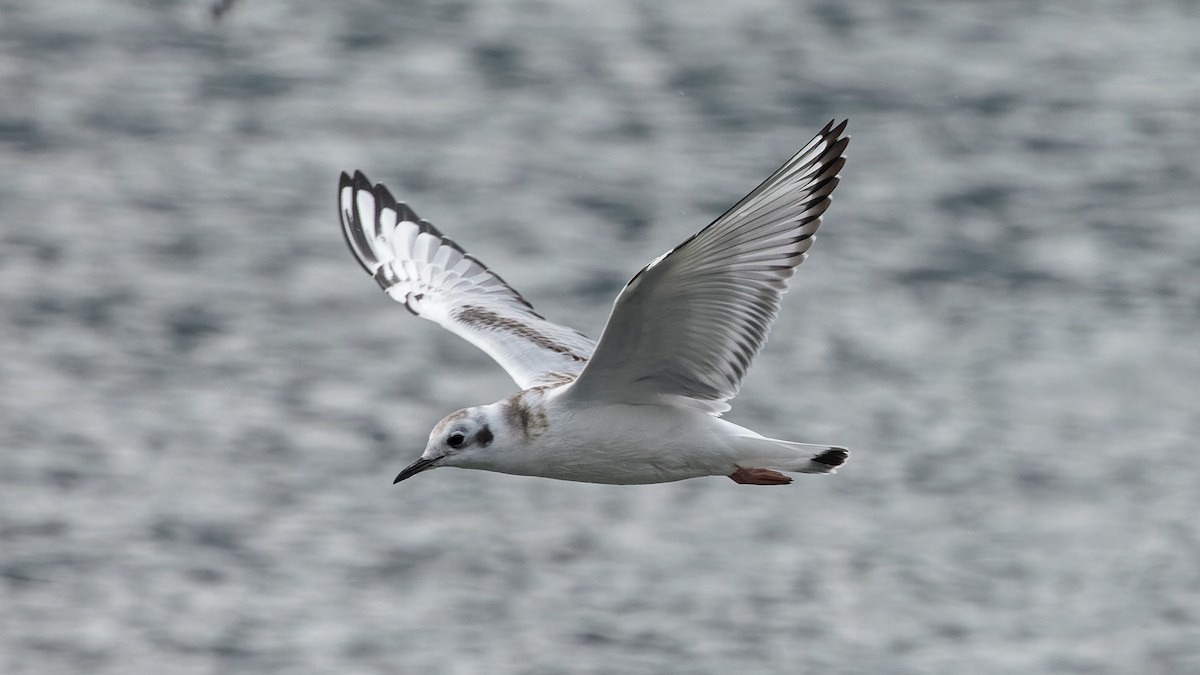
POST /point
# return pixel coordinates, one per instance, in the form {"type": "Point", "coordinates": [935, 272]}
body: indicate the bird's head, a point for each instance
{"type": "Point", "coordinates": [464, 439]}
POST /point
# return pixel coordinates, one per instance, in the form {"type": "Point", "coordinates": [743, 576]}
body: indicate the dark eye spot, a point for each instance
{"type": "Point", "coordinates": [484, 436]}
{"type": "Point", "coordinates": [456, 439]}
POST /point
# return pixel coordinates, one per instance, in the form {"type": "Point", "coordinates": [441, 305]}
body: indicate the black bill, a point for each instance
{"type": "Point", "coordinates": [416, 468]}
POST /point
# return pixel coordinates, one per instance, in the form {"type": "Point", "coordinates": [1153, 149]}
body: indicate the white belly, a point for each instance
{"type": "Point", "coordinates": [626, 444]}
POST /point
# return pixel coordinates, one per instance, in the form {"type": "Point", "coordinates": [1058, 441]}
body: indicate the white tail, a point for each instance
{"type": "Point", "coordinates": [770, 453]}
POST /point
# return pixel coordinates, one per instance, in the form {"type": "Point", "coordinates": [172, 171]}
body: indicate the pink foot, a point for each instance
{"type": "Point", "coordinates": [759, 477]}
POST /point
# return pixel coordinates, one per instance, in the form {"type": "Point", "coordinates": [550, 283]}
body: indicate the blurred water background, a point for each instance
{"type": "Point", "coordinates": [203, 400]}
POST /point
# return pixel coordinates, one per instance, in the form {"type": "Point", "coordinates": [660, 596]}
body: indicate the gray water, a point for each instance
{"type": "Point", "coordinates": [203, 400]}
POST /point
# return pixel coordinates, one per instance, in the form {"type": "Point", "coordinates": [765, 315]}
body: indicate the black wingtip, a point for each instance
{"type": "Point", "coordinates": [385, 197]}
{"type": "Point", "coordinates": [351, 220]}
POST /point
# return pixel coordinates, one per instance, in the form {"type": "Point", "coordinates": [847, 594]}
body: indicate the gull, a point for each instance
{"type": "Point", "coordinates": [643, 404]}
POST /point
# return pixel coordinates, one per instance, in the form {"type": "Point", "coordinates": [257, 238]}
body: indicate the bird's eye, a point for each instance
{"type": "Point", "coordinates": [455, 440]}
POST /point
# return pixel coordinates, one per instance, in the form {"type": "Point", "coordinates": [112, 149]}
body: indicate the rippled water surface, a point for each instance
{"type": "Point", "coordinates": [203, 400]}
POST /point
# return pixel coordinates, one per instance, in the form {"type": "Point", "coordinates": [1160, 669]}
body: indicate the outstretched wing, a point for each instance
{"type": "Point", "coordinates": [687, 326]}
{"type": "Point", "coordinates": [435, 279]}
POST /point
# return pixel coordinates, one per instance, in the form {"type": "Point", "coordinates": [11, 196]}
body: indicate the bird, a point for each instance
{"type": "Point", "coordinates": [643, 404]}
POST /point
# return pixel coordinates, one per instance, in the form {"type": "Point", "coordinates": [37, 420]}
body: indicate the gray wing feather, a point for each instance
{"type": "Point", "coordinates": [687, 326]}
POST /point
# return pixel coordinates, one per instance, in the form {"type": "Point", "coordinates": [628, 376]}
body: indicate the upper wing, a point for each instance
{"type": "Point", "coordinates": [687, 326]}
{"type": "Point", "coordinates": [437, 280]}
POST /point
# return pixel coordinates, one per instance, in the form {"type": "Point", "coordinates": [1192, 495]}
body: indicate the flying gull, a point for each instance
{"type": "Point", "coordinates": [643, 404]}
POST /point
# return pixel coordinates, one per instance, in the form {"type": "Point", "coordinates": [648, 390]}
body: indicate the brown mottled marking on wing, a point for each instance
{"type": "Point", "coordinates": [479, 317]}
{"type": "Point", "coordinates": [556, 378]}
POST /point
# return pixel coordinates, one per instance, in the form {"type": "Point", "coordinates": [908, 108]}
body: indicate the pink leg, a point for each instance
{"type": "Point", "coordinates": [759, 477]}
